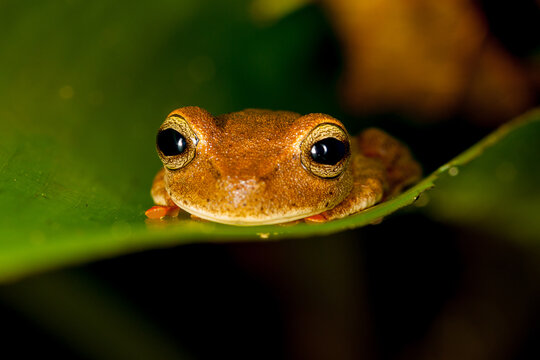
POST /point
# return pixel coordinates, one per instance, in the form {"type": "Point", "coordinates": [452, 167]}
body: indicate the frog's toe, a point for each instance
{"type": "Point", "coordinates": [319, 218]}
{"type": "Point", "coordinates": [159, 212]}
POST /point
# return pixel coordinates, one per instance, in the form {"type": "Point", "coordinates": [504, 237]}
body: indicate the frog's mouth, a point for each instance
{"type": "Point", "coordinates": [251, 220]}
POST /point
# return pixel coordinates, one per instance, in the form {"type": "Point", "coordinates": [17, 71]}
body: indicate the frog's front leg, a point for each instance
{"type": "Point", "coordinates": [164, 204]}
{"type": "Point", "coordinates": [368, 188]}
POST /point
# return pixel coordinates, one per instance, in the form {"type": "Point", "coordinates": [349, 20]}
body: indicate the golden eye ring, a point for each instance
{"type": "Point", "coordinates": [176, 142]}
{"type": "Point", "coordinates": [325, 151]}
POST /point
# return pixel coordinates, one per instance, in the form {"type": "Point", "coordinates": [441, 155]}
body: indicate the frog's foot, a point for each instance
{"type": "Point", "coordinates": [159, 212]}
{"type": "Point", "coordinates": [319, 218]}
{"type": "Point", "coordinates": [365, 193]}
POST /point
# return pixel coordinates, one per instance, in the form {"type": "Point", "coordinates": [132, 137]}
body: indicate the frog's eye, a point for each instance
{"type": "Point", "coordinates": [171, 142]}
{"type": "Point", "coordinates": [326, 151]}
{"type": "Point", "coordinates": [176, 142]}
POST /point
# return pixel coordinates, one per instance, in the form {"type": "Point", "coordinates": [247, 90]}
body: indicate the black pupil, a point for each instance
{"type": "Point", "coordinates": [171, 142]}
{"type": "Point", "coordinates": [328, 151]}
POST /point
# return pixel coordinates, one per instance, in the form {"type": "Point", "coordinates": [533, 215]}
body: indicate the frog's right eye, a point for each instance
{"type": "Point", "coordinates": [176, 142]}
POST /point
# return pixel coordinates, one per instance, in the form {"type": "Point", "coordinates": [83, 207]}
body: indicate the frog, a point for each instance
{"type": "Point", "coordinates": [262, 167]}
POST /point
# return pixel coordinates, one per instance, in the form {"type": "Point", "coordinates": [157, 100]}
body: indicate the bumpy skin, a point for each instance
{"type": "Point", "coordinates": [248, 171]}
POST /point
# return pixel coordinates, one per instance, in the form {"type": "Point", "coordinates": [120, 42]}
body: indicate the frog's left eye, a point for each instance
{"type": "Point", "coordinates": [326, 151]}
{"type": "Point", "coordinates": [171, 142]}
{"type": "Point", "coordinates": [176, 142]}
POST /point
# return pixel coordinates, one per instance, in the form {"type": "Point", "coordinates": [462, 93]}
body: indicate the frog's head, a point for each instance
{"type": "Point", "coordinates": [254, 167]}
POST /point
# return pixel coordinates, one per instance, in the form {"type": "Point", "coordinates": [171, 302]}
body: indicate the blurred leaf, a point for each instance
{"type": "Point", "coordinates": [428, 59]}
{"type": "Point", "coordinates": [90, 317]}
{"type": "Point", "coordinates": [268, 11]}
{"type": "Point", "coordinates": [499, 193]}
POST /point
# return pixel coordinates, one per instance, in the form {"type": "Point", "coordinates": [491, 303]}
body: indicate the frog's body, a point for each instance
{"type": "Point", "coordinates": [257, 167]}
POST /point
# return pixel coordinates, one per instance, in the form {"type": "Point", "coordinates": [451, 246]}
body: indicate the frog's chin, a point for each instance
{"type": "Point", "coordinates": [250, 221]}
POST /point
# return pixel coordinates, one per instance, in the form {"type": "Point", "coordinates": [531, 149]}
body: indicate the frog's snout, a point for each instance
{"type": "Point", "coordinates": [239, 190]}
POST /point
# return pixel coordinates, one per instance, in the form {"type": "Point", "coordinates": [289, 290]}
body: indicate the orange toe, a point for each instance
{"type": "Point", "coordinates": [317, 218]}
{"type": "Point", "coordinates": [158, 212]}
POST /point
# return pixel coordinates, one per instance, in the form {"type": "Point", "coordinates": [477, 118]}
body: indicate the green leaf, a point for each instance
{"type": "Point", "coordinates": [499, 193]}
{"type": "Point", "coordinates": [86, 84]}
{"type": "Point", "coordinates": [55, 211]}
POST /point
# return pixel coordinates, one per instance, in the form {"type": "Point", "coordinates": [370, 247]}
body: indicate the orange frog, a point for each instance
{"type": "Point", "coordinates": [256, 167]}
